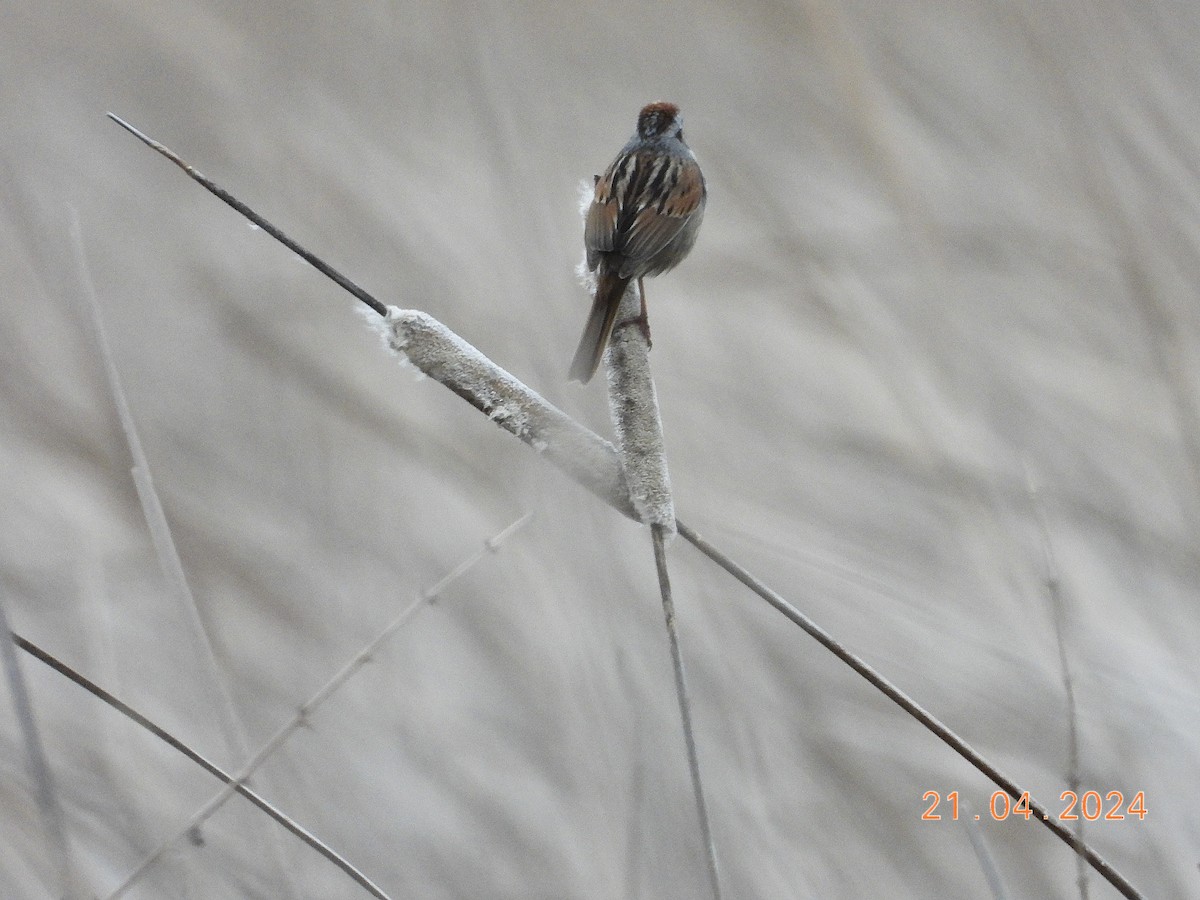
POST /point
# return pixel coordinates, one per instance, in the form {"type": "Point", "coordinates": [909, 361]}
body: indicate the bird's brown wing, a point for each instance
{"type": "Point", "coordinates": [600, 227]}
{"type": "Point", "coordinates": [672, 192]}
{"type": "Point", "coordinates": [640, 204]}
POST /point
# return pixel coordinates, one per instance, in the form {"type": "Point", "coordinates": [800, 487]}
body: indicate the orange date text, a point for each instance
{"type": "Point", "coordinates": [1090, 805]}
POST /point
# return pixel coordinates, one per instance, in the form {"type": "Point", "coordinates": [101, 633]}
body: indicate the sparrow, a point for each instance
{"type": "Point", "coordinates": [643, 220]}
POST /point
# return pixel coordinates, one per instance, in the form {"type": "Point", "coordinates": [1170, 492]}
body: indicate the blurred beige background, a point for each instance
{"type": "Point", "coordinates": [946, 246]}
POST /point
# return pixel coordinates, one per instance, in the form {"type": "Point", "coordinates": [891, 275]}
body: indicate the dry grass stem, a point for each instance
{"type": "Point", "coordinates": [685, 708]}
{"type": "Point", "coordinates": [306, 710]}
{"type": "Point", "coordinates": [166, 737]}
{"type": "Point", "coordinates": [62, 857]}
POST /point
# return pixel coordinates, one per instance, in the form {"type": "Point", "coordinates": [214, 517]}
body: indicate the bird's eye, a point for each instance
{"type": "Point", "coordinates": [679, 135]}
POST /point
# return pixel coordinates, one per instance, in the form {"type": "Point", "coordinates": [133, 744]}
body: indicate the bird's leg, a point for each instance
{"type": "Point", "coordinates": [642, 319]}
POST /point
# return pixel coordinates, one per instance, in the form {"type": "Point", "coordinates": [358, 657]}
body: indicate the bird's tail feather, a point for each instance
{"type": "Point", "coordinates": [599, 327]}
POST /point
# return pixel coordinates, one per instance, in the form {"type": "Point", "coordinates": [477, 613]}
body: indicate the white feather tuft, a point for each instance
{"type": "Point", "coordinates": [586, 192]}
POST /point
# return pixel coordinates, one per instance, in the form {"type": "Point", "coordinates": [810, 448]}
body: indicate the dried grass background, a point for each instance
{"type": "Point", "coordinates": [946, 245]}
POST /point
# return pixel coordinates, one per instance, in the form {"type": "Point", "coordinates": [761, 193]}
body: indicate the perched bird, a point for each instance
{"type": "Point", "coordinates": [644, 218]}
